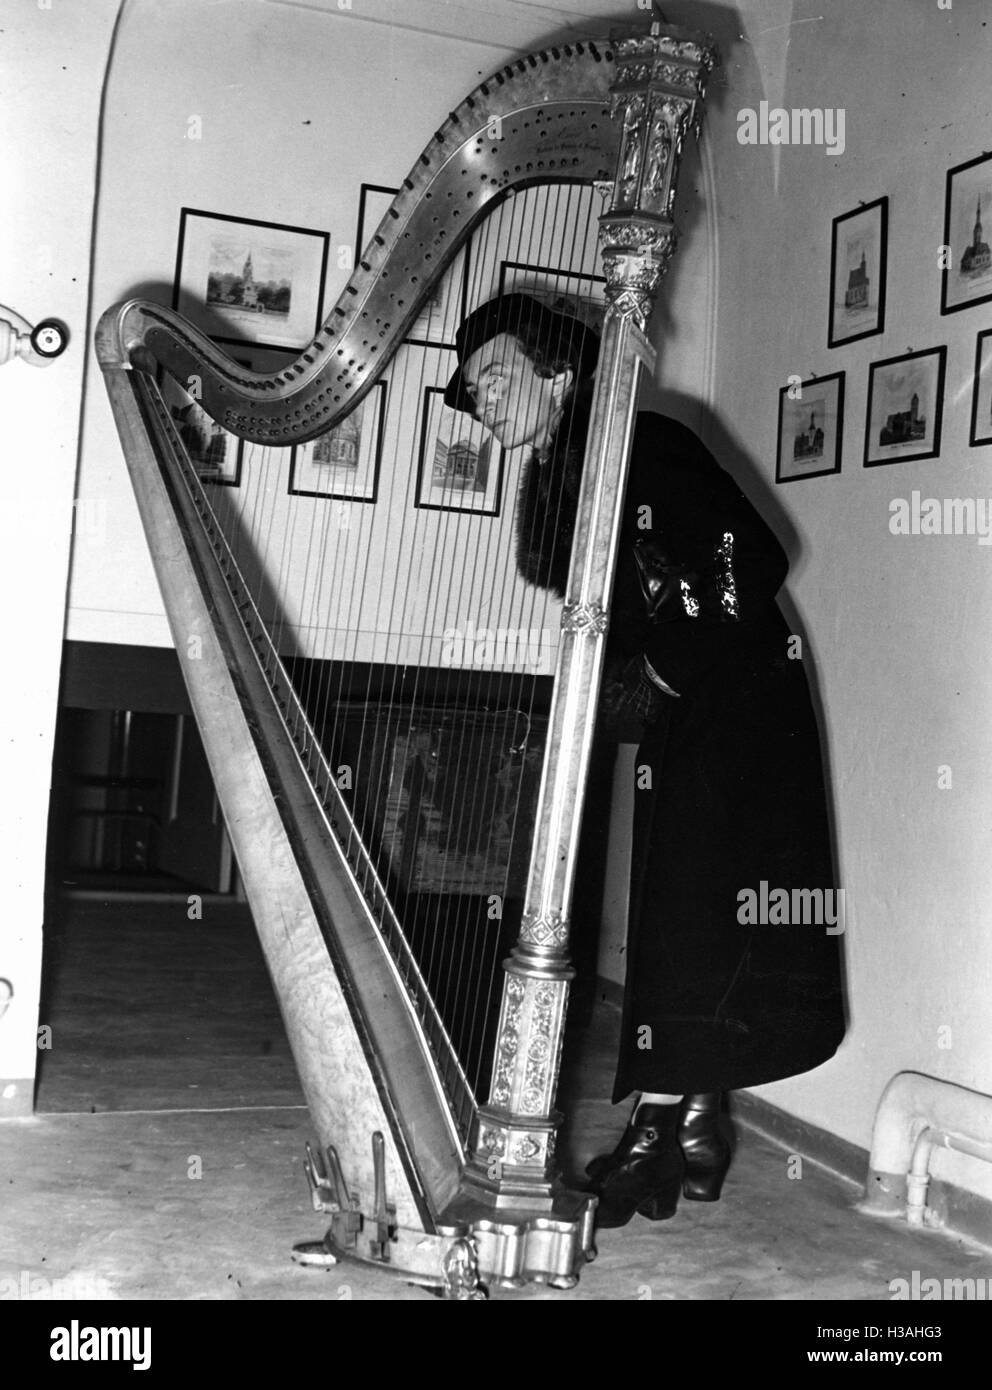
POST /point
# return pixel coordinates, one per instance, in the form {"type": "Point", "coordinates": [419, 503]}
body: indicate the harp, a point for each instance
{"type": "Point", "coordinates": [366, 865]}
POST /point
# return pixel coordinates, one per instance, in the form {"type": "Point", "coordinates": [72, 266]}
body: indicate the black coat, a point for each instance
{"type": "Point", "coordinates": [730, 789]}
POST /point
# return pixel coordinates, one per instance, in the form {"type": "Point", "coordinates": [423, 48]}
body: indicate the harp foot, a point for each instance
{"type": "Point", "coordinates": [314, 1254]}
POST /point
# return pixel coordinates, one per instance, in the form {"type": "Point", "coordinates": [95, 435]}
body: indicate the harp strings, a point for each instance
{"type": "Point", "coordinates": [358, 598]}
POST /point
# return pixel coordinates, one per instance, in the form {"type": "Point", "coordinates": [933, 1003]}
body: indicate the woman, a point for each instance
{"type": "Point", "coordinates": [730, 791]}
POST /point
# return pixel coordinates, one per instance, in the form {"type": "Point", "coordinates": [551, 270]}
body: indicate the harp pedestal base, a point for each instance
{"type": "Point", "coordinates": [473, 1247]}
{"type": "Point", "coordinates": [519, 1245]}
{"type": "Point", "coordinates": [511, 1165]}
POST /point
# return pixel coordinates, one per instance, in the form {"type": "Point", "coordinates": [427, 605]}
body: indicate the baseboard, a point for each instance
{"type": "Point", "coordinates": [950, 1208]}
{"type": "Point", "coordinates": [16, 1097]}
{"type": "Point", "coordinates": [841, 1157]}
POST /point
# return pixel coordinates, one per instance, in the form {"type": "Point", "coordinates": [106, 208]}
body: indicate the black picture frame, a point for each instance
{"type": "Point", "coordinates": [865, 229]}
{"type": "Point", "coordinates": [285, 313]}
{"type": "Point", "coordinates": [373, 200]}
{"type": "Point", "coordinates": [981, 396]}
{"type": "Point", "coordinates": [369, 418]}
{"type": "Point", "coordinates": [797, 421]}
{"type": "Point", "coordinates": [972, 179]}
{"type": "Point", "coordinates": [435, 417]}
{"type": "Point", "coordinates": [906, 382]}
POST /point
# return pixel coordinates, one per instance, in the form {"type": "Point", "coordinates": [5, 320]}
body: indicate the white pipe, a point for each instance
{"type": "Point", "coordinates": [916, 1114]}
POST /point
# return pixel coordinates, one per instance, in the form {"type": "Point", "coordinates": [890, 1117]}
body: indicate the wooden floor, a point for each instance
{"type": "Point", "coordinates": [165, 1160]}
{"type": "Point", "coordinates": [152, 1011]}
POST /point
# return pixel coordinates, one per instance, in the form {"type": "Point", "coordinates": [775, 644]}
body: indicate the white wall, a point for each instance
{"type": "Point", "coordinates": [50, 123]}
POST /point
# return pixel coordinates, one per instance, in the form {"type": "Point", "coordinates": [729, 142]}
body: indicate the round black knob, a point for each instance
{"type": "Point", "coordinates": [49, 338]}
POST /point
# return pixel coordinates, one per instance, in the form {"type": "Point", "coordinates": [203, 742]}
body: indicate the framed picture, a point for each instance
{"type": "Point", "coordinates": [857, 273]}
{"type": "Point", "coordinates": [905, 404]}
{"type": "Point", "coordinates": [216, 454]}
{"type": "Point", "coordinates": [245, 281]}
{"type": "Point", "coordinates": [981, 400]}
{"type": "Point", "coordinates": [967, 278]}
{"type": "Point", "coordinates": [459, 464]}
{"type": "Point", "coordinates": [810, 428]}
{"type": "Point", "coordinates": [344, 462]}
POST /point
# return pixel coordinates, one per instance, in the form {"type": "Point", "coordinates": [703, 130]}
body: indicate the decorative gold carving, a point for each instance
{"type": "Point", "coordinates": [493, 1142]}
{"type": "Point", "coordinates": [525, 1149]}
{"type": "Point", "coordinates": [638, 236]}
{"type": "Point", "coordinates": [660, 81]}
{"type": "Point", "coordinates": [549, 928]}
{"type": "Point", "coordinates": [460, 1271]}
{"type": "Point", "coordinates": [528, 1044]}
{"type": "Point", "coordinates": [508, 1039]}
{"type": "Point", "coordinates": [541, 1051]}
{"type": "Point", "coordinates": [675, 76]}
{"type": "Point", "coordinates": [632, 277]}
{"type": "Point", "coordinates": [659, 158]}
{"type": "Point", "coordinates": [630, 157]}
{"type": "Point", "coordinates": [584, 617]}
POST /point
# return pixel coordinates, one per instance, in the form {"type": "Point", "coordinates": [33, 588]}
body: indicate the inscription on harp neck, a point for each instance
{"type": "Point", "coordinates": [568, 138]}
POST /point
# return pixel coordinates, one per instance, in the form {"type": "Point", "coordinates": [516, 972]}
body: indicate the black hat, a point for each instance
{"type": "Point", "coordinates": [559, 336]}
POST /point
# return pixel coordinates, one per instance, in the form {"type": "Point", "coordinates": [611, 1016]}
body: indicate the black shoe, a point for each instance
{"type": "Point", "coordinates": [704, 1147]}
{"type": "Point", "coordinates": [644, 1172]}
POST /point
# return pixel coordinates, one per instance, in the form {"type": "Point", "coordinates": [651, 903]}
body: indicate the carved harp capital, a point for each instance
{"type": "Point", "coordinates": [656, 97]}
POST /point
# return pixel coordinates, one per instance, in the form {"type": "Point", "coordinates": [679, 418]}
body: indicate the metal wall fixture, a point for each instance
{"type": "Point", "coordinates": [38, 346]}
{"type": "Point", "coordinates": [917, 1114]}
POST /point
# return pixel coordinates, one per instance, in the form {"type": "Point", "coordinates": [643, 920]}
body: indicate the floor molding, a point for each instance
{"type": "Point", "coordinates": [953, 1210]}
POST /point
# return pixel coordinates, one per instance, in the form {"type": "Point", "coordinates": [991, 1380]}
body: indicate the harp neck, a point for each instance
{"type": "Point", "coordinates": [542, 119]}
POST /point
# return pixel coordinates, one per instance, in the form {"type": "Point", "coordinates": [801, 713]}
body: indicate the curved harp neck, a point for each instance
{"type": "Point", "coordinates": [543, 118]}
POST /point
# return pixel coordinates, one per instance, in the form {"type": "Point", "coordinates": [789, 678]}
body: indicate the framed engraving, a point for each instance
{"type": "Point", "coordinates": [810, 428]}
{"type": "Point", "coordinates": [857, 273]}
{"type": "Point", "coordinates": [905, 405]}
{"type": "Point", "coordinates": [459, 465]}
{"type": "Point", "coordinates": [243, 281]}
{"type": "Point", "coordinates": [344, 462]}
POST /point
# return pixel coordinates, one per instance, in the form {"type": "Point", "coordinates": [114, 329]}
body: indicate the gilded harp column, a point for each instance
{"type": "Point", "coordinates": [656, 98]}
